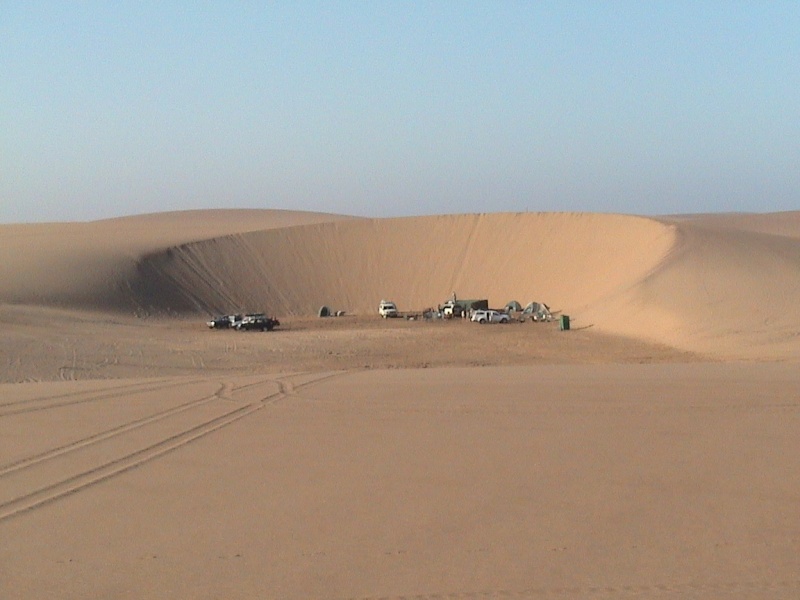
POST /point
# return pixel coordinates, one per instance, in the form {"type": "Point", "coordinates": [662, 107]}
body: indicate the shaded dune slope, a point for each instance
{"type": "Point", "coordinates": [94, 265]}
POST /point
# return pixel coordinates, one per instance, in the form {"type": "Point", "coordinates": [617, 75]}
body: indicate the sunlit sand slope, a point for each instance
{"type": "Point", "coordinates": [728, 288]}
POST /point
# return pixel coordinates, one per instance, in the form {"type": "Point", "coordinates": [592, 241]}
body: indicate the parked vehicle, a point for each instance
{"type": "Point", "coordinates": [219, 323]}
{"type": "Point", "coordinates": [489, 316]}
{"type": "Point", "coordinates": [224, 321]}
{"type": "Point", "coordinates": [457, 308]}
{"type": "Point", "coordinates": [388, 309]}
{"type": "Point", "coordinates": [452, 309]}
{"type": "Point", "coordinates": [257, 321]}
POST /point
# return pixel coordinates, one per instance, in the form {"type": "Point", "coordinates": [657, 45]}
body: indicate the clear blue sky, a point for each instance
{"type": "Point", "coordinates": [398, 108]}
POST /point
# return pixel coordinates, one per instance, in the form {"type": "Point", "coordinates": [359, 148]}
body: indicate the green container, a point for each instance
{"type": "Point", "coordinates": [563, 322]}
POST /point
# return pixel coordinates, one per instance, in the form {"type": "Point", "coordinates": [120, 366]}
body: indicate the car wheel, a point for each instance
{"type": "Point", "coordinates": [482, 321]}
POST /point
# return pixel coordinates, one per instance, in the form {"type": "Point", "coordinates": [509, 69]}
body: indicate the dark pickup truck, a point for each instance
{"type": "Point", "coordinates": [258, 322]}
{"type": "Point", "coordinates": [224, 322]}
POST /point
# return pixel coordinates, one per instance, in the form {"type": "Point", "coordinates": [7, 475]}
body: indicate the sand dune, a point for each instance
{"type": "Point", "coordinates": [569, 259]}
{"type": "Point", "coordinates": [728, 291]}
{"type": "Point", "coordinates": [91, 265]}
{"type": "Point", "coordinates": [722, 285]}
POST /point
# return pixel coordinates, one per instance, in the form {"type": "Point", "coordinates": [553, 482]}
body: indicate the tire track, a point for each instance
{"type": "Point", "coordinates": [224, 391]}
{"type": "Point", "coordinates": [289, 388]}
{"type": "Point", "coordinates": [82, 392]}
{"type": "Point", "coordinates": [105, 395]}
{"type": "Point", "coordinates": [103, 472]}
{"type": "Point", "coordinates": [47, 494]}
{"type": "Point", "coordinates": [30, 461]}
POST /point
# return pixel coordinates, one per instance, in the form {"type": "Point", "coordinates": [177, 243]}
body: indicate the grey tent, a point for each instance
{"type": "Point", "coordinates": [538, 311]}
{"type": "Point", "coordinates": [513, 306]}
{"type": "Point", "coordinates": [324, 311]}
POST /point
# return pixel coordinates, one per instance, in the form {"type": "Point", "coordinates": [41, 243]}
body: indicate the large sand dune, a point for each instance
{"type": "Point", "coordinates": [722, 285]}
{"type": "Point", "coordinates": [568, 259]}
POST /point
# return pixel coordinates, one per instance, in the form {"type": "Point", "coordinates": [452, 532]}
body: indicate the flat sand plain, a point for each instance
{"type": "Point", "coordinates": [650, 452]}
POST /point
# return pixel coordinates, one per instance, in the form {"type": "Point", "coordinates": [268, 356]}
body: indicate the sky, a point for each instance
{"type": "Point", "coordinates": [383, 108]}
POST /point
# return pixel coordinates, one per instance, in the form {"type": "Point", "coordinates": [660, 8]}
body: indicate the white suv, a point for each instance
{"type": "Point", "coordinates": [387, 309]}
{"type": "Point", "coordinates": [489, 316]}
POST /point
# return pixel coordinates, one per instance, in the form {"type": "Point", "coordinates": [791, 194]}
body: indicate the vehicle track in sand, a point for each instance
{"type": "Point", "coordinates": [45, 477]}
{"type": "Point", "coordinates": [104, 435]}
{"type": "Point", "coordinates": [82, 397]}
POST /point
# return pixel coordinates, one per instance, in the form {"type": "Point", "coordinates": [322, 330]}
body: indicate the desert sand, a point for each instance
{"type": "Point", "coordinates": [649, 452]}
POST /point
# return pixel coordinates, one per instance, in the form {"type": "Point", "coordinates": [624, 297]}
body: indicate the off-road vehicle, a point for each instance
{"type": "Point", "coordinates": [224, 322]}
{"type": "Point", "coordinates": [388, 310]}
{"type": "Point", "coordinates": [258, 322]}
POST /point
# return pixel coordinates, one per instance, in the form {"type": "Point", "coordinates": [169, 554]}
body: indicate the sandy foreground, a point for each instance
{"type": "Point", "coordinates": [187, 463]}
{"type": "Point", "coordinates": [650, 452]}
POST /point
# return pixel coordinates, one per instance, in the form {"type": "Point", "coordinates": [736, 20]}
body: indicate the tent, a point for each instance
{"type": "Point", "coordinates": [538, 311]}
{"type": "Point", "coordinates": [324, 311]}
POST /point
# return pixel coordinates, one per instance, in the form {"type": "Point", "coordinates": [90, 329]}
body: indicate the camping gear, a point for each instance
{"type": "Point", "coordinates": [537, 311]}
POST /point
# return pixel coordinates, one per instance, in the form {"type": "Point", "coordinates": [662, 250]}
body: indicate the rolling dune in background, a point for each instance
{"type": "Point", "coordinates": [91, 265]}
{"type": "Point", "coordinates": [726, 291]}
